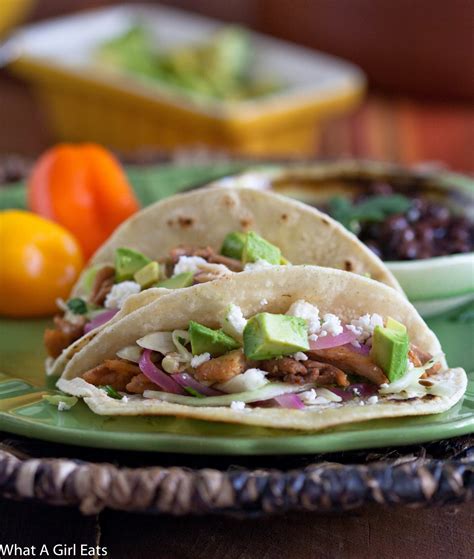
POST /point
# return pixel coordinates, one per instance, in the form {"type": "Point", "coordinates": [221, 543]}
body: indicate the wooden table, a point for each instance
{"type": "Point", "coordinates": [393, 129]}
{"type": "Point", "coordinates": [368, 533]}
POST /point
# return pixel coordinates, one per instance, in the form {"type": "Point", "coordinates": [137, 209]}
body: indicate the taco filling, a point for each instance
{"type": "Point", "coordinates": [106, 288]}
{"type": "Point", "coordinates": [295, 360]}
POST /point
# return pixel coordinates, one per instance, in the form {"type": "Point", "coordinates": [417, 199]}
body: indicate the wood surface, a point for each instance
{"type": "Point", "coordinates": [369, 533]}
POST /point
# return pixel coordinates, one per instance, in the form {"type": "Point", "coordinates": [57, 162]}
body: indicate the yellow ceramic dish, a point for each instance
{"type": "Point", "coordinates": [85, 102]}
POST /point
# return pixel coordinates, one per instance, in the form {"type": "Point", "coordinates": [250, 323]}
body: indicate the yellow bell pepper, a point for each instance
{"type": "Point", "coordinates": [39, 262]}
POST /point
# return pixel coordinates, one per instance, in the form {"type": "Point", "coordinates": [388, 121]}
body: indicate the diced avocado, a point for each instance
{"type": "Point", "coordinates": [272, 335]}
{"type": "Point", "coordinates": [148, 275]}
{"type": "Point", "coordinates": [207, 340]}
{"type": "Point", "coordinates": [88, 278]}
{"type": "Point", "coordinates": [233, 245]}
{"type": "Point", "coordinates": [177, 282]}
{"type": "Point", "coordinates": [256, 248]}
{"type": "Point", "coordinates": [393, 324]}
{"type": "Point", "coordinates": [127, 262]}
{"type": "Point", "coordinates": [390, 351]}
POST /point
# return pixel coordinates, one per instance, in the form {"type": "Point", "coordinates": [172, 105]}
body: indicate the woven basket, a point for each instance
{"type": "Point", "coordinates": [437, 474]}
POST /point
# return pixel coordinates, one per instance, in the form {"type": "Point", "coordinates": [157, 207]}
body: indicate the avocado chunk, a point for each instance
{"type": "Point", "coordinates": [177, 282]}
{"type": "Point", "coordinates": [389, 351]}
{"type": "Point", "coordinates": [127, 262]}
{"type": "Point", "coordinates": [88, 279]}
{"type": "Point", "coordinates": [393, 324]}
{"type": "Point", "coordinates": [148, 275]}
{"type": "Point", "coordinates": [267, 336]}
{"type": "Point", "coordinates": [233, 245]}
{"type": "Point", "coordinates": [207, 340]}
{"type": "Point", "coordinates": [257, 248]}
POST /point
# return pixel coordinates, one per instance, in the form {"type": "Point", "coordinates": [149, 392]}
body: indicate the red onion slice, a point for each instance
{"type": "Point", "coordinates": [333, 341]}
{"type": "Point", "coordinates": [99, 320]}
{"type": "Point", "coordinates": [185, 380]}
{"type": "Point", "coordinates": [344, 394]}
{"type": "Point", "coordinates": [362, 350]}
{"type": "Point", "coordinates": [290, 401]}
{"type": "Point", "coordinates": [157, 376]}
{"type": "Point", "coordinates": [363, 389]}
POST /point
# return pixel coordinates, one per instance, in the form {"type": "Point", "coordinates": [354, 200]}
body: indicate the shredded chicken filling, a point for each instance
{"type": "Point", "coordinates": [330, 369]}
{"type": "Point", "coordinates": [65, 332]}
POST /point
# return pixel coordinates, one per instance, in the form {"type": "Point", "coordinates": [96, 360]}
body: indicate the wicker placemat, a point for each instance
{"type": "Point", "coordinates": [425, 475]}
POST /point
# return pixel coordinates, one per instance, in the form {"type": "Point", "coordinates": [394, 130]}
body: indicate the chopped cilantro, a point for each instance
{"type": "Point", "coordinates": [111, 392]}
{"type": "Point", "coordinates": [376, 208]}
{"type": "Point", "coordinates": [77, 305]}
{"type": "Point", "coordinates": [193, 392]}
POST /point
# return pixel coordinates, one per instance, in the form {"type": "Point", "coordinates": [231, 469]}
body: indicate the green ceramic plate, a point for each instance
{"type": "Point", "coordinates": [22, 382]}
{"type": "Point", "coordinates": [24, 412]}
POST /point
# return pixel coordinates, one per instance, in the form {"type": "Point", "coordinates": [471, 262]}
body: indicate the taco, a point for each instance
{"type": "Point", "coordinates": [194, 238]}
{"type": "Point", "coordinates": [298, 347]}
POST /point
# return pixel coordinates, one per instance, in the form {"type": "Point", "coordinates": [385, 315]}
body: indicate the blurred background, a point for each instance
{"type": "Point", "coordinates": [417, 56]}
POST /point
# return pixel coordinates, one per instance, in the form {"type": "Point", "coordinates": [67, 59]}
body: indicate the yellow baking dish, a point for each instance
{"type": "Point", "coordinates": [84, 102]}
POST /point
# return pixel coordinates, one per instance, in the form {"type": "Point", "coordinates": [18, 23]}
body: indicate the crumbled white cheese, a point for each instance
{"type": "Point", "coordinates": [308, 396]}
{"type": "Point", "coordinates": [234, 322]}
{"type": "Point", "coordinates": [62, 406]}
{"type": "Point", "coordinates": [124, 399]}
{"type": "Point", "coordinates": [188, 264]}
{"type": "Point", "coordinates": [384, 385]}
{"type": "Point", "coordinates": [237, 406]}
{"type": "Point", "coordinates": [172, 363]}
{"type": "Point", "coordinates": [120, 292]}
{"type": "Point", "coordinates": [300, 356]}
{"type": "Point", "coordinates": [195, 264]}
{"type": "Point", "coordinates": [258, 265]}
{"type": "Point", "coordinates": [200, 359]}
{"type": "Point", "coordinates": [263, 301]}
{"type": "Point", "coordinates": [362, 403]}
{"type": "Point", "coordinates": [307, 311]}
{"type": "Point", "coordinates": [252, 379]}
{"type": "Point", "coordinates": [372, 400]}
{"type": "Point", "coordinates": [363, 327]}
{"type": "Point", "coordinates": [311, 398]}
{"type": "Point", "coordinates": [331, 325]}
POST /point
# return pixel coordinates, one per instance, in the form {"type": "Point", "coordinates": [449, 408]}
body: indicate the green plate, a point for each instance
{"type": "Point", "coordinates": [24, 412]}
{"type": "Point", "coordinates": [22, 381]}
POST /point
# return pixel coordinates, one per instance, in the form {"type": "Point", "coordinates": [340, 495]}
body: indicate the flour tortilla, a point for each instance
{"type": "Point", "coordinates": [205, 216]}
{"type": "Point", "coordinates": [345, 294]}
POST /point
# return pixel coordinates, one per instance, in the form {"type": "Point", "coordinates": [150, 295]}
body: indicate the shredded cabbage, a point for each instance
{"type": "Point", "coordinates": [409, 382]}
{"type": "Point", "coordinates": [267, 392]}
{"type": "Point", "coordinates": [162, 342]}
{"type": "Point", "coordinates": [130, 353]}
{"type": "Point", "coordinates": [177, 336]}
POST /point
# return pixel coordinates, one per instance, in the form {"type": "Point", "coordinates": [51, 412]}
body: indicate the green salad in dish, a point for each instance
{"type": "Point", "coordinates": [220, 68]}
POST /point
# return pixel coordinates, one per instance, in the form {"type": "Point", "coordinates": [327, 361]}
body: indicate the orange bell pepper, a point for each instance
{"type": "Point", "coordinates": [39, 262]}
{"type": "Point", "coordinates": [83, 188]}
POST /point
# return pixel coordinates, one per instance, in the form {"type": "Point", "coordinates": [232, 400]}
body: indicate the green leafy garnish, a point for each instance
{"type": "Point", "coordinates": [376, 208]}
{"type": "Point", "coordinates": [77, 305]}
{"type": "Point", "coordinates": [111, 392]}
{"type": "Point", "coordinates": [193, 392]}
